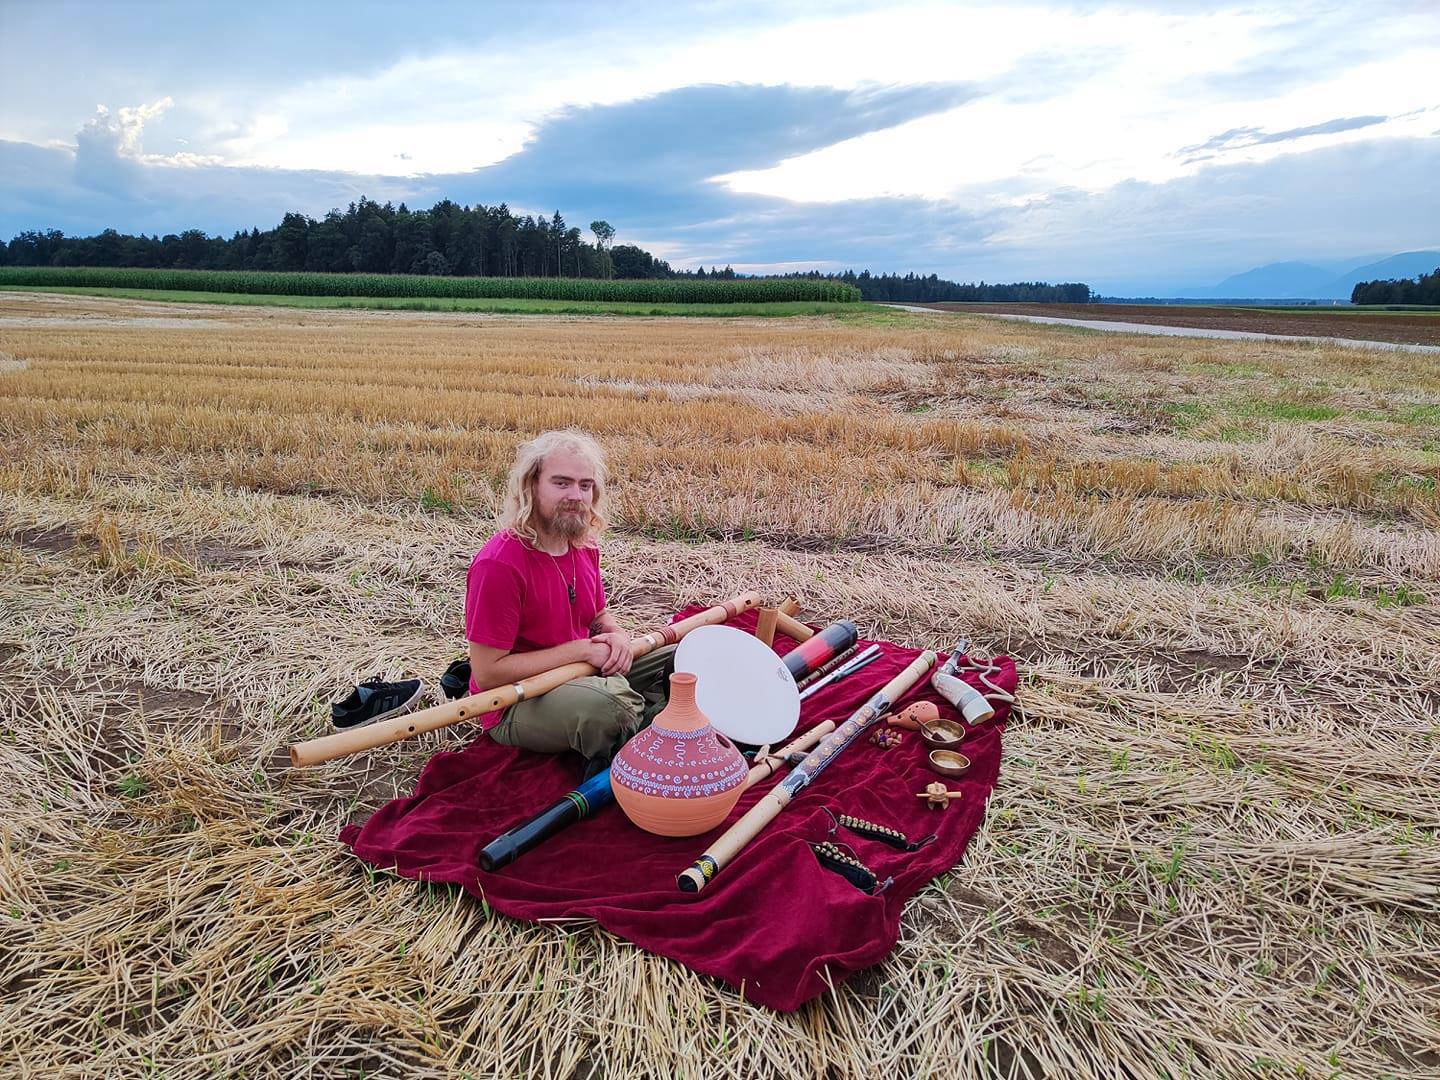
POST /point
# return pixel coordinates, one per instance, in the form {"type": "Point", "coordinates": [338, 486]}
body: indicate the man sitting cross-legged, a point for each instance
{"type": "Point", "coordinates": [534, 601]}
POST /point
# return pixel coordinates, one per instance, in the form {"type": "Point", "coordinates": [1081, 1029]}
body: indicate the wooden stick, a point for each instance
{"type": "Point", "coordinates": [765, 627]}
{"type": "Point", "coordinates": [791, 627]}
{"type": "Point", "coordinates": [790, 606]}
{"type": "Point", "coordinates": [344, 743]}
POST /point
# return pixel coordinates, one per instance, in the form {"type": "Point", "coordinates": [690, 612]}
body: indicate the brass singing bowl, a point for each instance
{"type": "Point", "coordinates": [948, 763]}
{"type": "Point", "coordinates": [942, 734]}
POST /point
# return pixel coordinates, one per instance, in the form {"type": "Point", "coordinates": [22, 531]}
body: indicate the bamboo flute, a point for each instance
{"type": "Point", "coordinates": [343, 743]}
{"type": "Point", "coordinates": [702, 870]}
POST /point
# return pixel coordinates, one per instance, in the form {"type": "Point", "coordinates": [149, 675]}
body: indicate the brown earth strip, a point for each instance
{"type": "Point", "coordinates": [1404, 327]}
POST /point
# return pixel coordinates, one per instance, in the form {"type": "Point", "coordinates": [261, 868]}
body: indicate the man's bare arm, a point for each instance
{"type": "Point", "coordinates": [605, 629]}
{"type": "Point", "coordinates": [491, 667]}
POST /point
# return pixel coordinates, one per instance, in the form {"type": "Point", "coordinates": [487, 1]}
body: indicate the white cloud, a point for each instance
{"type": "Point", "coordinates": [121, 129]}
{"type": "Point", "coordinates": [118, 136]}
{"type": "Point", "coordinates": [1124, 122]}
{"type": "Point", "coordinates": [1069, 139]}
{"type": "Point", "coordinates": [470, 108]}
{"type": "Point", "coordinates": [1081, 97]}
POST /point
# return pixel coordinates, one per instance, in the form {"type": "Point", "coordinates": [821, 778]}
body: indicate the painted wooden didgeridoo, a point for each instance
{"type": "Point", "coordinates": [703, 869]}
{"type": "Point", "coordinates": [344, 743]}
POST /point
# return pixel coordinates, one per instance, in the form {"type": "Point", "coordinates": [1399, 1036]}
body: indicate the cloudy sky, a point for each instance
{"type": "Point", "coordinates": [1135, 146]}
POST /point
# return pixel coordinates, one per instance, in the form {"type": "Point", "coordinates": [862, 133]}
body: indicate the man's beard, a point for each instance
{"type": "Point", "coordinates": [568, 525]}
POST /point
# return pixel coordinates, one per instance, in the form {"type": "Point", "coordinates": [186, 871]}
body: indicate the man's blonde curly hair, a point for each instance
{"type": "Point", "coordinates": [518, 512]}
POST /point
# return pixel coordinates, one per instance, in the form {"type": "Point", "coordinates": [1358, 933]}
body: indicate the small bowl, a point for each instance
{"type": "Point", "coordinates": [942, 734]}
{"type": "Point", "coordinates": [948, 763]}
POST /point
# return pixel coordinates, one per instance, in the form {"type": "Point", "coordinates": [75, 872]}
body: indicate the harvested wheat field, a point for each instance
{"type": "Point", "coordinates": [1215, 845]}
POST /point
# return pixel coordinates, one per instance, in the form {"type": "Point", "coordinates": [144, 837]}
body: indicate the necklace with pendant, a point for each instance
{"type": "Point", "coordinates": [574, 577]}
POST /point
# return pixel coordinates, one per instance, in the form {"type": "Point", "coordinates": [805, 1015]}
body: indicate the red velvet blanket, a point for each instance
{"type": "Point", "coordinates": [774, 922]}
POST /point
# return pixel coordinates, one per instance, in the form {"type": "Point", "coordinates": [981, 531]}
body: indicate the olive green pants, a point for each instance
{"type": "Point", "coordinates": [594, 715]}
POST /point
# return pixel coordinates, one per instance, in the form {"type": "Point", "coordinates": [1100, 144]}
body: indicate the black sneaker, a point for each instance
{"type": "Point", "coordinates": [375, 699]}
{"type": "Point", "coordinates": [455, 683]}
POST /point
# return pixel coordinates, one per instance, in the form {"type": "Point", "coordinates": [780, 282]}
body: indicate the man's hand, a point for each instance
{"type": "Point", "coordinates": [620, 655]}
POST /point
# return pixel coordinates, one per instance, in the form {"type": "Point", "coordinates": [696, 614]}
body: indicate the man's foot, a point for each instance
{"type": "Point", "coordinates": [375, 699]}
{"type": "Point", "coordinates": [455, 683]}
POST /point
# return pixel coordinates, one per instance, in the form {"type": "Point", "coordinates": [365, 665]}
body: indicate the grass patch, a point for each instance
{"type": "Point", "coordinates": [1288, 410]}
{"type": "Point", "coordinates": [1341, 586]}
{"type": "Point", "coordinates": [1420, 414]}
{"type": "Point", "coordinates": [785, 309]}
{"type": "Point", "coordinates": [867, 314]}
{"type": "Point", "coordinates": [1239, 433]}
{"type": "Point", "coordinates": [1185, 415]}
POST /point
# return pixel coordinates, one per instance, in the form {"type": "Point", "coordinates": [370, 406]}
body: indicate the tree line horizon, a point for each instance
{"type": "Point", "coordinates": [458, 241]}
{"type": "Point", "coordinates": [1424, 289]}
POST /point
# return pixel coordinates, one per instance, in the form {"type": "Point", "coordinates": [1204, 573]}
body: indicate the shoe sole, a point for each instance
{"type": "Point", "coordinates": [404, 706]}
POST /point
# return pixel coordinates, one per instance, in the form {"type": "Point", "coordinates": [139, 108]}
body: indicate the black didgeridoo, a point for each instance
{"type": "Point", "coordinates": [576, 805]}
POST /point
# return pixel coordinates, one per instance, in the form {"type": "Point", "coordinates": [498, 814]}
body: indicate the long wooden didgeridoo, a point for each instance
{"type": "Point", "coordinates": [343, 743]}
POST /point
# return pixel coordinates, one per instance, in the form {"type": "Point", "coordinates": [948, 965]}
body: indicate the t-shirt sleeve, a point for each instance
{"type": "Point", "coordinates": [599, 583]}
{"type": "Point", "coordinates": [492, 604]}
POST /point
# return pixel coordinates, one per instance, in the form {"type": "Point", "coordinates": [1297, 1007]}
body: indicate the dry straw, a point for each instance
{"type": "Point", "coordinates": [1213, 851]}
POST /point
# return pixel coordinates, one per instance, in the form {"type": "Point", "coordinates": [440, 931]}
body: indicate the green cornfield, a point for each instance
{"type": "Point", "coordinates": [665, 290]}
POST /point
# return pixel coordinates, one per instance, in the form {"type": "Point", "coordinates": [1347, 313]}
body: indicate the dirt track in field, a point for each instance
{"type": "Point", "coordinates": [1406, 327]}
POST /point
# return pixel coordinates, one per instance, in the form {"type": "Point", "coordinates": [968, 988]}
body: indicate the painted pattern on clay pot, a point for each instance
{"type": "Point", "coordinates": [679, 776]}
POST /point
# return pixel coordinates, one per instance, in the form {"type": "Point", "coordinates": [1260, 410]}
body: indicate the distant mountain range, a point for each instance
{"type": "Point", "coordinates": [1298, 280]}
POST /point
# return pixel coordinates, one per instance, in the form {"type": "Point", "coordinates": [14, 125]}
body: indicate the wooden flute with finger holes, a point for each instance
{"type": "Point", "coordinates": [344, 743]}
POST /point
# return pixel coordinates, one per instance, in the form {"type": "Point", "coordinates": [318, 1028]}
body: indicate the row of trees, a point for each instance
{"type": "Point", "coordinates": [919, 288]}
{"type": "Point", "coordinates": [368, 237]}
{"type": "Point", "coordinates": [450, 239]}
{"type": "Point", "coordinates": [1422, 290]}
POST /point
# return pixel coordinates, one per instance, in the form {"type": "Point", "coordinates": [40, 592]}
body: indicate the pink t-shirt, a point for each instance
{"type": "Point", "coordinates": [517, 598]}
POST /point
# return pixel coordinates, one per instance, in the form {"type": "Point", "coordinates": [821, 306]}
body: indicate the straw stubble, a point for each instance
{"type": "Point", "coordinates": [1213, 850]}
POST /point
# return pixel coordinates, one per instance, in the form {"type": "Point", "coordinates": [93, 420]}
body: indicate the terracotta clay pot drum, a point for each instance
{"type": "Point", "coordinates": [679, 776]}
